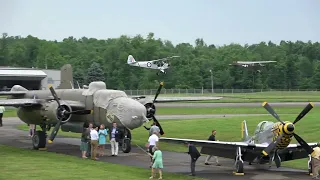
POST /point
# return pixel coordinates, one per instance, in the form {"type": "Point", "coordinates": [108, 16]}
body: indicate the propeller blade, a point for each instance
{"type": "Point", "coordinates": [303, 144]}
{"type": "Point", "coordinates": [158, 124]}
{"type": "Point", "coordinates": [158, 91]}
{"type": "Point", "coordinates": [271, 111]}
{"type": "Point", "coordinates": [80, 112]}
{"type": "Point", "coordinates": [54, 94]}
{"type": "Point", "coordinates": [271, 146]}
{"type": "Point", "coordinates": [304, 112]}
{"type": "Point", "coordinates": [54, 132]}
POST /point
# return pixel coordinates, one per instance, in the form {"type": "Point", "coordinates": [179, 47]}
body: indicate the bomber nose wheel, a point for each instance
{"type": "Point", "coordinates": [126, 141]}
{"type": "Point", "coordinates": [39, 140]}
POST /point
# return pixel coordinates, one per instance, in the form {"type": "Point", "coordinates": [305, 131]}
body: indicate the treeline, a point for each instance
{"type": "Point", "coordinates": [297, 66]}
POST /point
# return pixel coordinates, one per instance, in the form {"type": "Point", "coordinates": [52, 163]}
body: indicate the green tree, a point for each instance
{"type": "Point", "coordinates": [95, 73]}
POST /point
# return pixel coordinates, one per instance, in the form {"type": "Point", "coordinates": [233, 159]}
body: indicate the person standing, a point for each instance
{"type": "Point", "coordinates": [194, 155]}
{"type": "Point", "coordinates": [2, 109]}
{"type": "Point", "coordinates": [212, 137]}
{"type": "Point", "coordinates": [315, 163]}
{"type": "Point", "coordinates": [153, 140]}
{"type": "Point", "coordinates": [94, 142]}
{"type": "Point", "coordinates": [114, 139]}
{"type": "Point", "coordinates": [89, 140]}
{"type": "Point", "coordinates": [32, 129]}
{"type": "Point", "coordinates": [157, 162]}
{"type": "Point", "coordinates": [153, 128]}
{"type": "Point", "coordinates": [85, 137]}
{"type": "Point", "coordinates": [103, 133]}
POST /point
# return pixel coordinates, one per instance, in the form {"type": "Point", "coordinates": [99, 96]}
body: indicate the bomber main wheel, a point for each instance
{"type": "Point", "coordinates": [239, 167]}
{"type": "Point", "coordinates": [126, 145]}
{"type": "Point", "coordinates": [39, 140]}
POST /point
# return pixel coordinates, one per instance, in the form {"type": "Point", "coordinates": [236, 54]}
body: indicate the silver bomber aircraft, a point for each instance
{"type": "Point", "coordinates": [72, 109]}
{"type": "Point", "coordinates": [270, 142]}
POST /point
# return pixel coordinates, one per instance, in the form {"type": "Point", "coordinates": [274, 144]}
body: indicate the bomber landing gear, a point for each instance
{"type": "Point", "coordinates": [126, 141]}
{"type": "Point", "coordinates": [239, 163]}
{"type": "Point", "coordinates": [39, 139]}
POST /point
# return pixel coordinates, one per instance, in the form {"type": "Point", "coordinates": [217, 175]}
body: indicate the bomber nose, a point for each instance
{"type": "Point", "coordinates": [135, 114]}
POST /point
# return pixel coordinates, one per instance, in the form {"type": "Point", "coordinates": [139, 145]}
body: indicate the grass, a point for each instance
{"type": "Point", "coordinates": [225, 110]}
{"type": "Point", "coordinates": [228, 129]}
{"type": "Point", "coordinates": [10, 113]}
{"type": "Point", "coordinates": [26, 164]}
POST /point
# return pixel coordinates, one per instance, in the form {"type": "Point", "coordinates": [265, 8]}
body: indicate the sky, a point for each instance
{"type": "Point", "coordinates": [218, 22]}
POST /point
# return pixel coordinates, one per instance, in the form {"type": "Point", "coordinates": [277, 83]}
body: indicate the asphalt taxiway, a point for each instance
{"type": "Point", "coordinates": [173, 162]}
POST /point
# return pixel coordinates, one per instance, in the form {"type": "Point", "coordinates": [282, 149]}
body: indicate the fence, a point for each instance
{"type": "Point", "coordinates": [213, 91]}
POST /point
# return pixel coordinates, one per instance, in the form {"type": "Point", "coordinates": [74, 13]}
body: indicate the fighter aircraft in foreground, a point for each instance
{"type": "Point", "coordinates": [72, 109]}
{"type": "Point", "coordinates": [159, 64]}
{"type": "Point", "coordinates": [250, 63]}
{"type": "Point", "coordinates": [271, 142]}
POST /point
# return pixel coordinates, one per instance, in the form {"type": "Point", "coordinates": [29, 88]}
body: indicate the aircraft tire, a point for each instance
{"type": "Point", "coordinates": [239, 167]}
{"type": "Point", "coordinates": [126, 145]}
{"type": "Point", "coordinates": [39, 140]}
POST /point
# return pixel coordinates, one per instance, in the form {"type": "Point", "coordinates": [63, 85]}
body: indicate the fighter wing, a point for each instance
{"type": "Point", "coordinates": [295, 151]}
{"type": "Point", "coordinates": [217, 148]}
{"type": "Point", "coordinates": [177, 99]}
{"type": "Point", "coordinates": [20, 102]}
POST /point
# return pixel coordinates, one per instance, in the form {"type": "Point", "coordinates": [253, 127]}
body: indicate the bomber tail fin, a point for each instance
{"type": "Point", "coordinates": [244, 131]}
{"type": "Point", "coordinates": [131, 60]}
{"type": "Point", "coordinates": [66, 77]}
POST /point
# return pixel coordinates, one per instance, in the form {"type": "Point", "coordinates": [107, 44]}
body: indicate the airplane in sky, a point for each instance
{"type": "Point", "coordinates": [250, 63]}
{"type": "Point", "coordinates": [159, 64]}
{"type": "Point", "coordinates": [270, 142]}
{"type": "Point", "coordinates": [71, 109]}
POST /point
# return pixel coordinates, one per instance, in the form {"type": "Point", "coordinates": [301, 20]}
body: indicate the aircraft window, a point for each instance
{"type": "Point", "coordinates": [262, 126]}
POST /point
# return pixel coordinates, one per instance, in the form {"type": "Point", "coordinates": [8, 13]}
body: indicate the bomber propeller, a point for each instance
{"type": "Point", "coordinates": [63, 113]}
{"type": "Point", "coordinates": [288, 128]}
{"type": "Point", "coordinates": [151, 111]}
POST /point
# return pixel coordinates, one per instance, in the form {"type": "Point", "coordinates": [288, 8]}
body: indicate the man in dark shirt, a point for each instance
{"type": "Point", "coordinates": [194, 155]}
{"type": "Point", "coordinates": [212, 138]}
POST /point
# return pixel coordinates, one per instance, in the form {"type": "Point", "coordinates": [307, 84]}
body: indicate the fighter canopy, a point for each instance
{"type": "Point", "coordinates": [287, 128]}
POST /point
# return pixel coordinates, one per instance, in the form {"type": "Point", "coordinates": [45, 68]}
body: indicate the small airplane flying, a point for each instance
{"type": "Point", "coordinates": [250, 63]}
{"type": "Point", "coordinates": [159, 64]}
{"type": "Point", "coordinates": [271, 142]}
{"type": "Point", "coordinates": [72, 109]}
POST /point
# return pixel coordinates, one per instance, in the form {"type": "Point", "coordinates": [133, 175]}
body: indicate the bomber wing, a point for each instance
{"type": "Point", "coordinates": [6, 93]}
{"type": "Point", "coordinates": [218, 148]}
{"type": "Point", "coordinates": [20, 102]}
{"type": "Point", "coordinates": [75, 105]}
{"type": "Point", "coordinates": [177, 99]}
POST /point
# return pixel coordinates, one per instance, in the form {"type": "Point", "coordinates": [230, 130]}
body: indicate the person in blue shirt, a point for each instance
{"type": "Point", "coordinates": [103, 133]}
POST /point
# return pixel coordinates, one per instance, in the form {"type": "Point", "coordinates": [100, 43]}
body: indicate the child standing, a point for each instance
{"type": "Point", "coordinates": [157, 162]}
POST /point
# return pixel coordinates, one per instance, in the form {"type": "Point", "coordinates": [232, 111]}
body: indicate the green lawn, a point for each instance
{"type": "Point", "coordinates": [10, 113]}
{"type": "Point", "coordinates": [225, 110]}
{"type": "Point", "coordinates": [26, 164]}
{"type": "Point", "coordinates": [228, 129]}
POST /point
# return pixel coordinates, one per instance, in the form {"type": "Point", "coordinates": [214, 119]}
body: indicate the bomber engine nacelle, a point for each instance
{"type": "Point", "coordinates": [53, 112]}
{"type": "Point", "coordinates": [150, 107]}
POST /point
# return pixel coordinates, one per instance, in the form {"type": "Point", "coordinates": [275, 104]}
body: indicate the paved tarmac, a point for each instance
{"type": "Point", "coordinates": [173, 162]}
{"type": "Point", "coordinates": [200, 105]}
